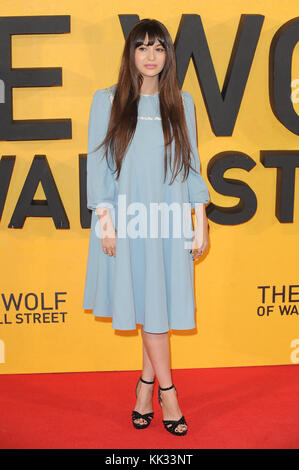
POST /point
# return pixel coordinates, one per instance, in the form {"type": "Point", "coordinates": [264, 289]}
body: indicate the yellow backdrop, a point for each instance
{"type": "Point", "coordinates": [48, 262]}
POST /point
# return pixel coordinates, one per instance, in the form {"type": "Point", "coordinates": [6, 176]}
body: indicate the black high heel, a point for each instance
{"type": "Point", "coordinates": [136, 415]}
{"type": "Point", "coordinates": [171, 425]}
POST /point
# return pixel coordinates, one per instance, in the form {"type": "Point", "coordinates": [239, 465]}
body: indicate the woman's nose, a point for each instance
{"type": "Point", "coordinates": [151, 54]}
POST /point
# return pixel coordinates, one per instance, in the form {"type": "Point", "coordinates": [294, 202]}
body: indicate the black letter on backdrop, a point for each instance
{"type": "Point", "coordinates": [127, 22]}
{"type": "Point", "coordinates": [7, 164]}
{"type": "Point", "coordinates": [286, 162]}
{"type": "Point", "coordinates": [85, 214]}
{"type": "Point", "coordinates": [222, 107]}
{"type": "Point", "coordinates": [29, 129]}
{"type": "Point", "coordinates": [280, 74]}
{"type": "Point", "coordinates": [246, 207]}
{"type": "Point", "coordinates": [52, 206]}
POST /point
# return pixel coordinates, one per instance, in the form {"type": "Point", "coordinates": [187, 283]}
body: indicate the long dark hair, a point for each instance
{"type": "Point", "coordinates": [123, 116]}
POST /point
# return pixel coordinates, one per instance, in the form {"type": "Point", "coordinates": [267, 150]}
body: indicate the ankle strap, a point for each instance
{"type": "Point", "coordinates": [146, 382]}
{"type": "Point", "coordinates": [167, 388]}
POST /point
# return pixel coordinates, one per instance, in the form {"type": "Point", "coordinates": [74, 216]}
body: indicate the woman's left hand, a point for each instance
{"type": "Point", "coordinates": [200, 240]}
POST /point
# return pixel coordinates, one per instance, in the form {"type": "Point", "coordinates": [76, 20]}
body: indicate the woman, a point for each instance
{"type": "Point", "coordinates": [146, 280]}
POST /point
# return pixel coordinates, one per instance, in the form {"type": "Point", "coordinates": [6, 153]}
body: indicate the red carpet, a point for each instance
{"type": "Point", "coordinates": [226, 408]}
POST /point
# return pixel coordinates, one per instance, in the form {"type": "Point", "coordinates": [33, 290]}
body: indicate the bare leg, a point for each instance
{"type": "Point", "coordinates": [145, 391]}
{"type": "Point", "coordinates": [157, 348]}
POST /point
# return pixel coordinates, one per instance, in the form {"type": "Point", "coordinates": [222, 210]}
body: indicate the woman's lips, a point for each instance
{"type": "Point", "coordinates": [150, 66]}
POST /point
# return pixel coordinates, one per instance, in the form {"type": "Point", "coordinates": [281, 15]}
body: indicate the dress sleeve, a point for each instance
{"type": "Point", "coordinates": [101, 184]}
{"type": "Point", "coordinates": [197, 187]}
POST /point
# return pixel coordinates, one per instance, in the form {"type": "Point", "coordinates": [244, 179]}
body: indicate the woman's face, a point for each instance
{"type": "Point", "coordinates": [146, 56]}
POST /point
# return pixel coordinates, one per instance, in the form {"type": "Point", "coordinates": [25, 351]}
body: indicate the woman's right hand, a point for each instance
{"type": "Point", "coordinates": [108, 231]}
{"type": "Point", "coordinates": [109, 242]}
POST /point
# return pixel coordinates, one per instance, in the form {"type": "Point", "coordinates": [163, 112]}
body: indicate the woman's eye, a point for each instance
{"type": "Point", "coordinates": [142, 48]}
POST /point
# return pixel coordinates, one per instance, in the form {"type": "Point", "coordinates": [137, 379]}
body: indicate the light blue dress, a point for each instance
{"type": "Point", "coordinates": [150, 281]}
